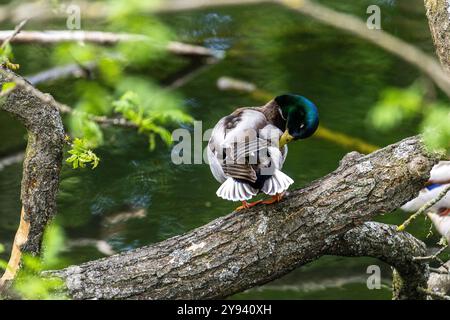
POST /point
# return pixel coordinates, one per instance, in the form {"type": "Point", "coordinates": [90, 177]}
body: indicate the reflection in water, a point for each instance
{"type": "Point", "coordinates": [278, 50]}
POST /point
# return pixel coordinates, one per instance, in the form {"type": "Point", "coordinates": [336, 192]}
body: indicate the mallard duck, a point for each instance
{"type": "Point", "coordinates": [439, 214]}
{"type": "Point", "coordinates": [247, 148]}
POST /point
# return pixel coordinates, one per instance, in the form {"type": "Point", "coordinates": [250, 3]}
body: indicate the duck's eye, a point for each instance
{"type": "Point", "coordinates": [302, 126]}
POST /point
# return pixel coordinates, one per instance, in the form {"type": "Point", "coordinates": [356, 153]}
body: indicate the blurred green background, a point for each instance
{"type": "Point", "coordinates": [278, 50]}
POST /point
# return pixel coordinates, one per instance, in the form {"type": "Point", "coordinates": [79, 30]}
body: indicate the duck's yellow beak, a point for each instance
{"type": "Point", "coordinates": [285, 139]}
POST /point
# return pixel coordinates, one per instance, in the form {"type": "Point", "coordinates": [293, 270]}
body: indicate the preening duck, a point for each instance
{"type": "Point", "coordinates": [439, 213]}
{"type": "Point", "coordinates": [247, 148]}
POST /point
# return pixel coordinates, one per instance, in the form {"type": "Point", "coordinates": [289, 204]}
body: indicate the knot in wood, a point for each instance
{"type": "Point", "coordinates": [419, 166]}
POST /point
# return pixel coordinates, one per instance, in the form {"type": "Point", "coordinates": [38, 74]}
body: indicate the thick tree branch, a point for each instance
{"type": "Point", "coordinates": [42, 164]}
{"type": "Point", "coordinates": [438, 13]}
{"type": "Point", "coordinates": [249, 248]}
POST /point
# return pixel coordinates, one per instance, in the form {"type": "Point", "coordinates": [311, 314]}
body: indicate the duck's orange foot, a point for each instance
{"type": "Point", "coordinates": [444, 212]}
{"type": "Point", "coordinates": [248, 205]}
{"type": "Point", "coordinates": [274, 199]}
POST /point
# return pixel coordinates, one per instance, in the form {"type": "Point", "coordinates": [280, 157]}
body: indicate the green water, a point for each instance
{"type": "Point", "coordinates": [276, 49]}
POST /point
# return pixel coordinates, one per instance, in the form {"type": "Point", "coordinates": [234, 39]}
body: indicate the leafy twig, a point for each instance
{"type": "Point", "coordinates": [81, 155]}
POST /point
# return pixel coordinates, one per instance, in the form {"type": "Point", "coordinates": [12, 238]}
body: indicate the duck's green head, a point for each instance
{"type": "Point", "coordinates": [301, 115]}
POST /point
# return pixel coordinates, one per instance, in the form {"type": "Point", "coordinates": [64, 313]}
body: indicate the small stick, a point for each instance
{"type": "Point", "coordinates": [431, 257]}
{"type": "Point", "coordinates": [422, 210]}
{"type": "Point", "coordinates": [13, 34]}
{"type": "Point", "coordinates": [439, 271]}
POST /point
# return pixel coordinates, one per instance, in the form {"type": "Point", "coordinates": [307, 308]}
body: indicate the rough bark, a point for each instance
{"type": "Point", "coordinates": [249, 248]}
{"type": "Point", "coordinates": [397, 249]}
{"type": "Point", "coordinates": [438, 13]}
{"type": "Point", "coordinates": [43, 156]}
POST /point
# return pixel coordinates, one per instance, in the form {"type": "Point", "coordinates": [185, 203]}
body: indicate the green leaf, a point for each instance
{"type": "Point", "coordinates": [396, 105]}
{"type": "Point", "coordinates": [32, 263]}
{"type": "Point", "coordinates": [82, 155]}
{"type": "Point", "coordinates": [152, 117]}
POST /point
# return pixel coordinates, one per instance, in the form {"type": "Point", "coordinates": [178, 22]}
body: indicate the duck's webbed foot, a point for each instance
{"type": "Point", "coordinates": [248, 205]}
{"type": "Point", "coordinates": [274, 199]}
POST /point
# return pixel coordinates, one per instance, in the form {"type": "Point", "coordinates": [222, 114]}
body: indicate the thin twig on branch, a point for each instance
{"type": "Point", "coordinates": [102, 38]}
{"type": "Point", "coordinates": [424, 208]}
{"type": "Point", "coordinates": [433, 256]}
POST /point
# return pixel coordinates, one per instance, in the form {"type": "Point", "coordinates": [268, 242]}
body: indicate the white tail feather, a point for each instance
{"type": "Point", "coordinates": [442, 224]}
{"type": "Point", "coordinates": [277, 183]}
{"type": "Point", "coordinates": [234, 190]}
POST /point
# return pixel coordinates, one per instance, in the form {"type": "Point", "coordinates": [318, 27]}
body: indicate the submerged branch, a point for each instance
{"type": "Point", "coordinates": [245, 249]}
{"type": "Point", "coordinates": [102, 38]}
